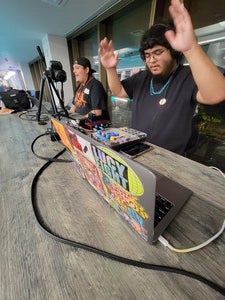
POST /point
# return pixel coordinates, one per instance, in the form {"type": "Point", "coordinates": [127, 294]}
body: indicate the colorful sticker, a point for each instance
{"type": "Point", "coordinates": [117, 169]}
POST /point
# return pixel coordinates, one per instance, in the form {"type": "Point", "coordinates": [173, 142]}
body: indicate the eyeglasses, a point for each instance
{"type": "Point", "coordinates": [154, 54]}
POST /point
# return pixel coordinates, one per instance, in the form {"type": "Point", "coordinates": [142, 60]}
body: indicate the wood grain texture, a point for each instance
{"type": "Point", "coordinates": [35, 266]}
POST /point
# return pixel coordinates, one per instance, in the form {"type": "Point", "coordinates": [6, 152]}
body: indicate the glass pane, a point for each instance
{"type": "Point", "coordinates": [126, 29]}
{"type": "Point", "coordinates": [210, 148]}
{"type": "Point", "coordinates": [89, 48]}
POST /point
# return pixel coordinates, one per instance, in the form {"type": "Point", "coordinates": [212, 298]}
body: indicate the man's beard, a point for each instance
{"type": "Point", "coordinates": [163, 77]}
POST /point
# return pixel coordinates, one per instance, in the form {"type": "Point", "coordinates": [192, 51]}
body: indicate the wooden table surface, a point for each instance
{"type": "Point", "coordinates": [33, 265]}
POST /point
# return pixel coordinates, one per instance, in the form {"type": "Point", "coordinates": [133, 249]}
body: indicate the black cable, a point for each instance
{"type": "Point", "coordinates": [30, 116]}
{"type": "Point", "coordinates": [106, 254]}
{"type": "Point", "coordinates": [46, 158]}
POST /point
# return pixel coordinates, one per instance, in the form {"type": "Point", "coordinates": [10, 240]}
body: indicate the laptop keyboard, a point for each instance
{"type": "Point", "coordinates": [162, 207]}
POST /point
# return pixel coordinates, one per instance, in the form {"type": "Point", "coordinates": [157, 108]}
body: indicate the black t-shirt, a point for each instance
{"type": "Point", "coordinates": [91, 96]}
{"type": "Point", "coordinates": [165, 117]}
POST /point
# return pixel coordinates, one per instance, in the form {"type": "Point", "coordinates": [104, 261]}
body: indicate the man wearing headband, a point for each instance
{"type": "Point", "coordinates": [165, 95]}
{"type": "Point", "coordinates": [90, 96]}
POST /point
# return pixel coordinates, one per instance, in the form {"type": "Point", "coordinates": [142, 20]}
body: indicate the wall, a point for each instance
{"type": "Point", "coordinates": [55, 48]}
{"type": "Point", "coordinates": [29, 85]}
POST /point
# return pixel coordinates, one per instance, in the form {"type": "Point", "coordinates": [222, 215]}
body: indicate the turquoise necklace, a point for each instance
{"type": "Point", "coordinates": [153, 92]}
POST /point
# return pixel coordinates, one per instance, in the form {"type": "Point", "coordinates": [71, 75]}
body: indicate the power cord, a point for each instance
{"type": "Point", "coordinates": [54, 137]}
{"type": "Point", "coordinates": [167, 244]}
{"type": "Point", "coordinates": [103, 253]}
{"type": "Point", "coordinates": [30, 115]}
{"type": "Point", "coordinates": [217, 169]}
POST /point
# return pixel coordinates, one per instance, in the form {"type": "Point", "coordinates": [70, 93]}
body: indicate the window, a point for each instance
{"type": "Point", "coordinates": [126, 28]}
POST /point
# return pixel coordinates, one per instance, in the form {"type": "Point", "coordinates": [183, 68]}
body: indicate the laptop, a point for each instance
{"type": "Point", "coordinates": [146, 200]}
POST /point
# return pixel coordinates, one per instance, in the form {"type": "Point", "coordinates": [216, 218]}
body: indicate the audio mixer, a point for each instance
{"type": "Point", "coordinates": [116, 138]}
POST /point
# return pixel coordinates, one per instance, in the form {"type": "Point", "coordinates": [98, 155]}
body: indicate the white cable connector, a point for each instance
{"type": "Point", "coordinates": [167, 244]}
{"type": "Point", "coordinates": [218, 170]}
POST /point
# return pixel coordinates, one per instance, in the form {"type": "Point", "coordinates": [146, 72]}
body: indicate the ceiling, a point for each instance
{"type": "Point", "coordinates": [24, 23]}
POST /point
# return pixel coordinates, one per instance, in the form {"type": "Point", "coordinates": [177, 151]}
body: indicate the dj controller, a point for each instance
{"type": "Point", "coordinates": [115, 138]}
